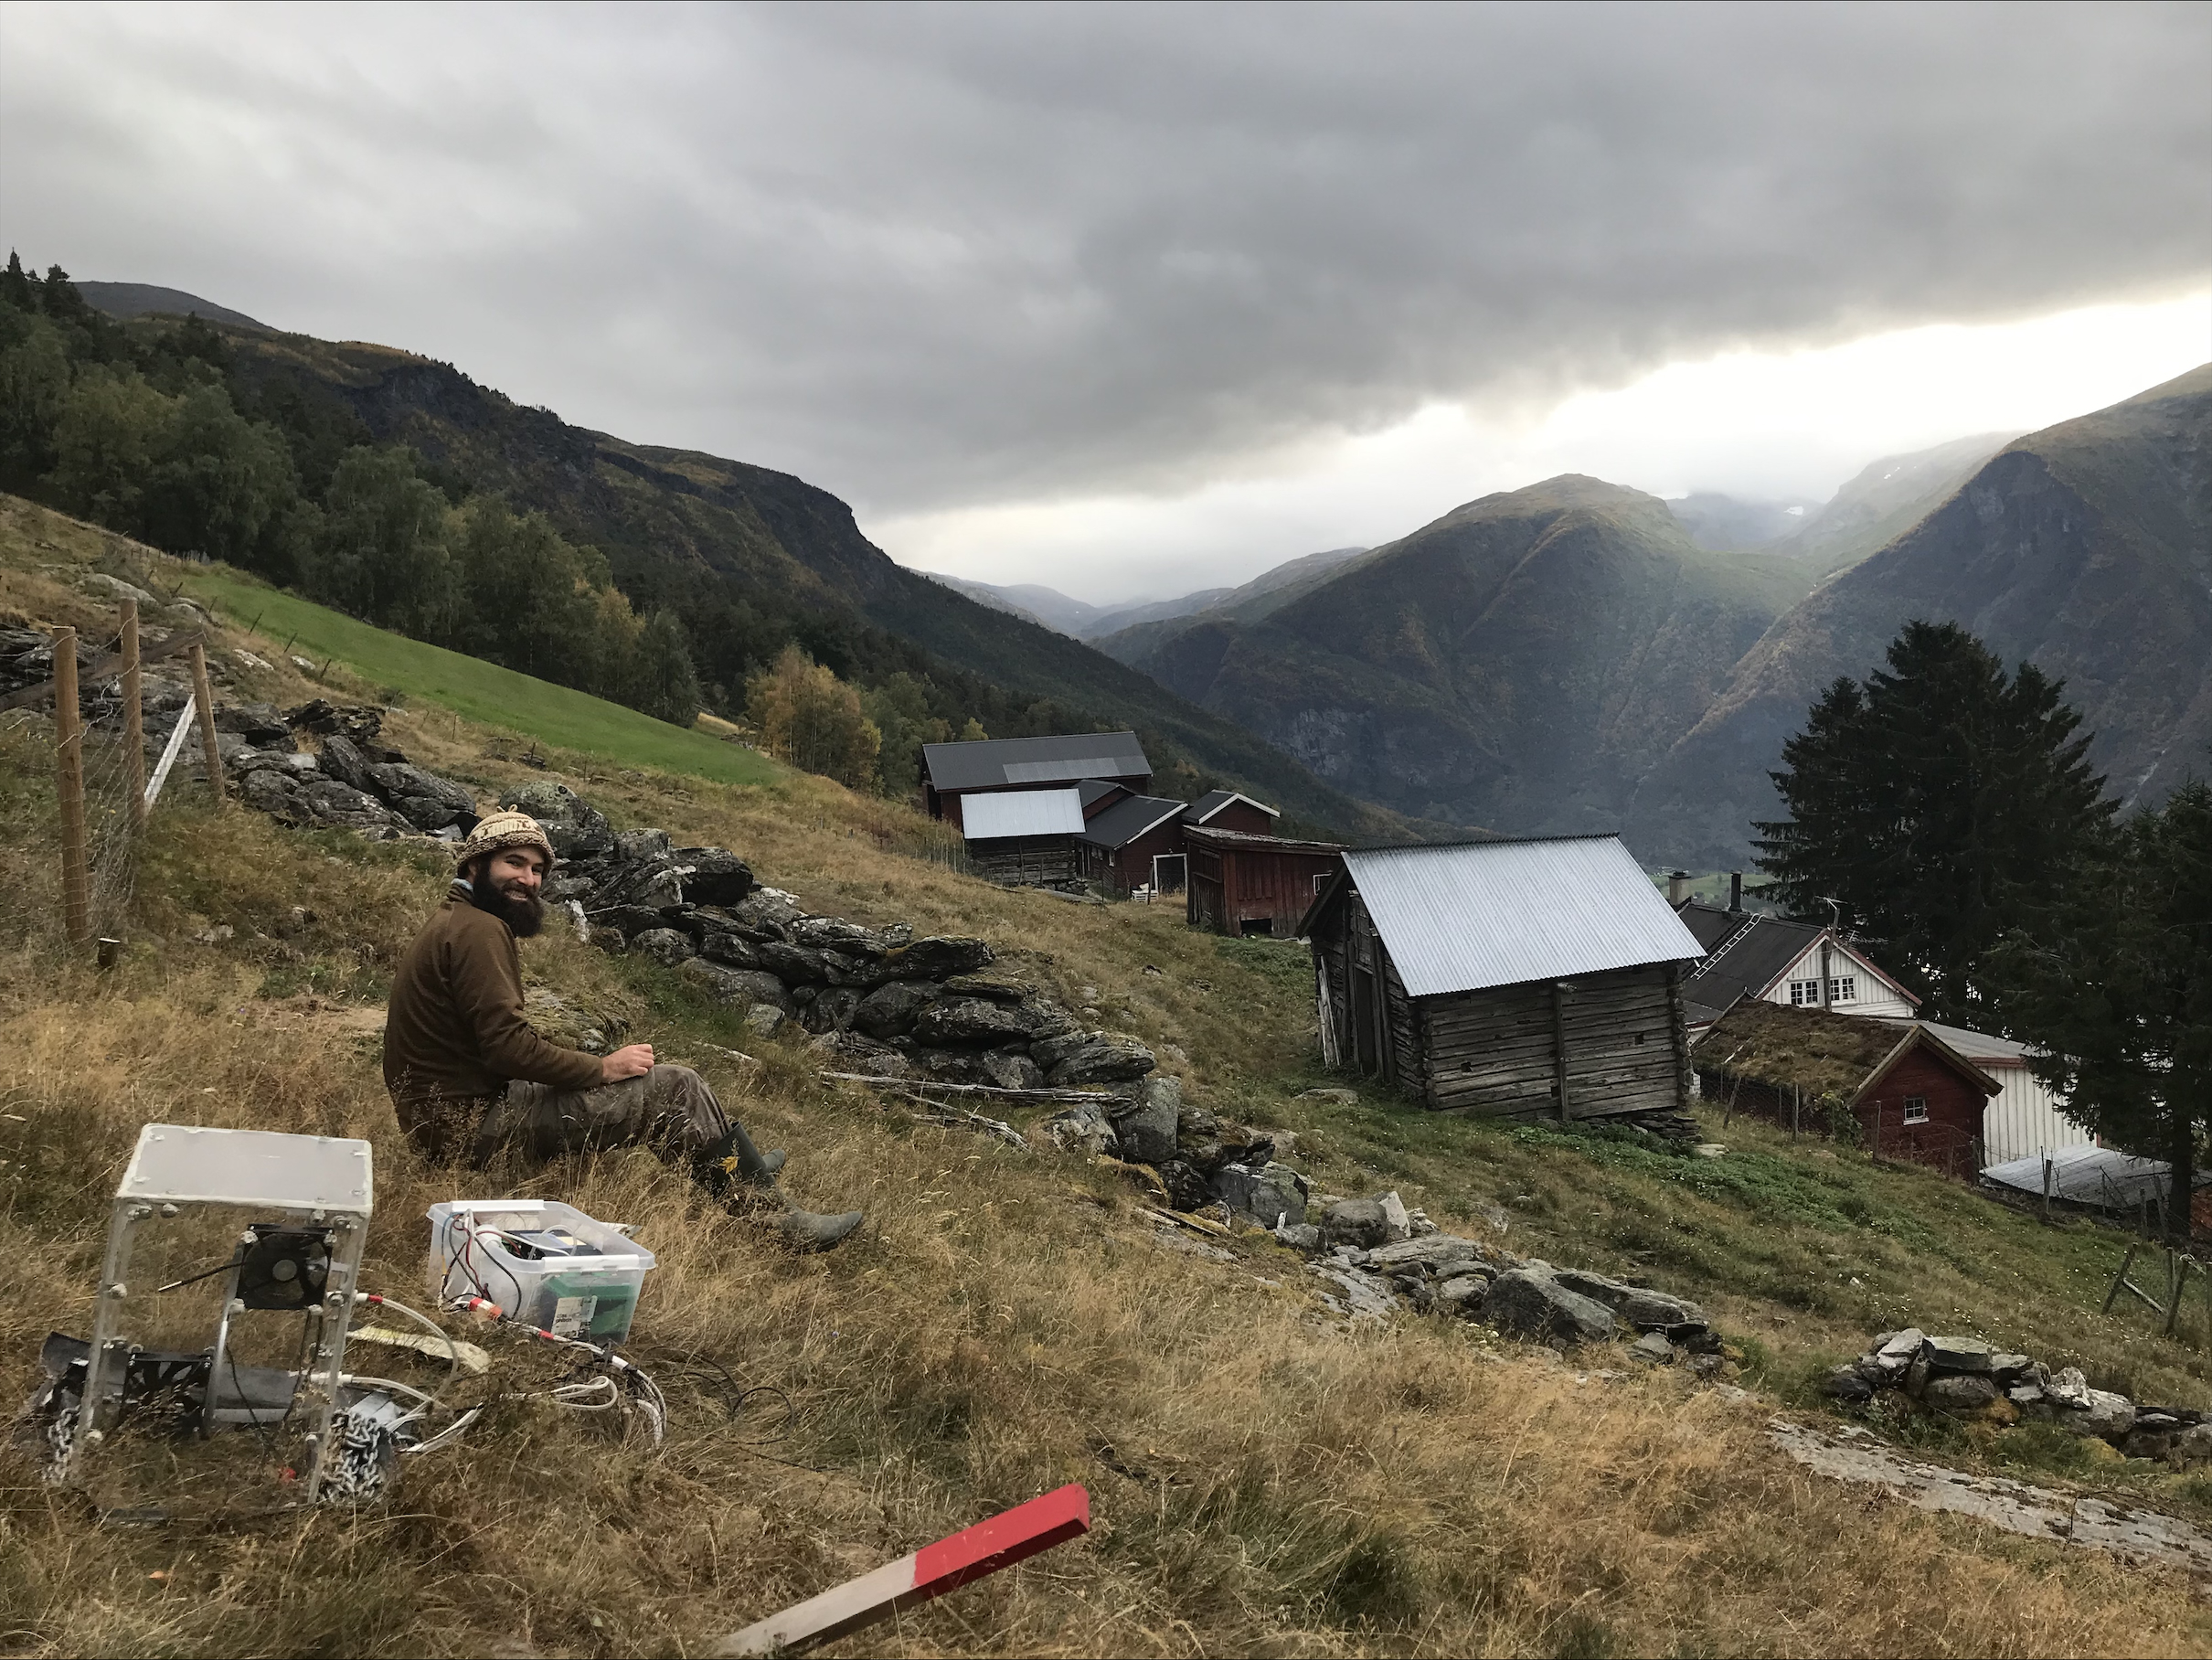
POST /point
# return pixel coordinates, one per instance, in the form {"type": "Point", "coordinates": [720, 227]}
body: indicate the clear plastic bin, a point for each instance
{"type": "Point", "coordinates": [591, 1295]}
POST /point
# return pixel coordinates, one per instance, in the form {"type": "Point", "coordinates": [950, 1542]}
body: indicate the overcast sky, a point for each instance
{"type": "Point", "coordinates": [1132, 299]}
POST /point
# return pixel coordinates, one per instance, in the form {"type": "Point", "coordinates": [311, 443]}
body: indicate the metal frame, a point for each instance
{"type": "Point", "coordinates": [338, 1195]}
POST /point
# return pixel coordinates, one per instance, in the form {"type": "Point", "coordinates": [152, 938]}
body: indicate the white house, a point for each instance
{"type": "Point", "coordinates": [1799, 964]}
{"type": "Point", "coordinates": [2027, 1120]}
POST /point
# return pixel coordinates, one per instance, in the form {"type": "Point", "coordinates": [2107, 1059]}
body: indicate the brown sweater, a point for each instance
{"type": "Point", "coordinates": [456, 1030]}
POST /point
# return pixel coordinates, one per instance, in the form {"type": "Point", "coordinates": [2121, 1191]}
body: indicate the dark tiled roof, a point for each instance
{"type": "Point", "coordinates": [1710, 923]}
{"type": "Point", "coordinates": [1125, 820]}
{"type": "Point", "coordinates": [998, 763]}
{"type": "Point", "coordinates": [1213, 801]}
{"type": "Point", "coordinates": [1244, 841]}
{"type": "Point", "coordinates": [1095, 790]}
{"type": "Point", "coordinates": [1746, 963]}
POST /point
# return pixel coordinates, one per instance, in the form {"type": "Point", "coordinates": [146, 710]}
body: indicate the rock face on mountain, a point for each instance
{"type": "Point", "coordinates": [1517, 664]}
{"type": "Point", "coordinates": [2085, 548]}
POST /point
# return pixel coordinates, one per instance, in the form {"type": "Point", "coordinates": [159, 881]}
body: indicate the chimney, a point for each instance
{"type": "Point", "coordinates": [1735, 890]}
{"type": "Point", "coordinates": [1678, 887]}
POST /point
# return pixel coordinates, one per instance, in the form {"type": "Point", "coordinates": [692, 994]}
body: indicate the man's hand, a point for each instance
{"type": "Point", "coordinates": [632, 1062]}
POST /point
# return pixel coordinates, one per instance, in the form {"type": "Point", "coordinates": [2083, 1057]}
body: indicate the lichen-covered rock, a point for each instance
{"type": "Point", "coordinates": [427, 801]}
{"type": "Point", "coordinates": [832, 1010]}
{"type": "Point", "coordinates": [1461, 1295]}
{"type": "Point", "coordinates": [1434, 1253]}
{"type": "Point", "coordinates": [1148, 1128]}
{"type": "Point", "coordinates": [2102, 1414]}
{"type": "Point", "coordinates": [347, 808]}
{"type": "Point", "coordinates": [577, 830]}
{"type": "Point", "coordinates": [1358, 1222]}
{"type": "Point", "coordinates": [276, 792]}
{"type": "Point", "coordinates": [1082, 1128]}
{"type": "Point", "coordinates": [664, 946]}
{"type": "Point", "coordinates": [1529, 1302]}
{"type": "Point", "coordinates": [1959, 1393]}
{"type": "Point", "coordinates": [1083, 1059]}
{"type": "Point", "coordinates": [1637, 1306]}
{"type": "Point", "coordinates": [1273, 1194]}
{"type": "Point", "coordinates": [739, 986]}
{"type": "Point", "coordinates": [342, 759]}
{"type": "Point", "coordinates": [934, 959]}
{"type": "Point", "coordinates": [1011, 1070]}
{"type": "Point", "coordinates": [1186, 1184]}
{"type": "Point", "coordinates": [889, 1011]}
{"type": "Point", "coordinates": [719, 877]}
{"type": "Point", "coordinates": [962, 1022]}
{"type": "Point", "coordinates": [1848, 1384]}
{"type": "Point", "coordinates": [1960, 1354]}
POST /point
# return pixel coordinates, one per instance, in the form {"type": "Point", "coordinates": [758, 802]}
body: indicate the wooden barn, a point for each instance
{"type": "Point", "coordinates": [1025, 838]}
{"type": "Point", "coordinates": [1230, 810]}
{"type": "Point", "coordinates": [1126, 837]}
{"type": "Point", "coordinates": [954, 774]}
{"type": "Point", "coordinates": [1244, 884]}
{"type": "Point", "coordinates": [1507, 977]}
{"type": "Point", "coordinates": [1913, 1095]}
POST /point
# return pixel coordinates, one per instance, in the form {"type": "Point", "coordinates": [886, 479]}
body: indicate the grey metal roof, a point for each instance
{"type": "Point", "coordinates": [1213, 801]}
{"type": "Point", "coordinates": [2101, 1177]}
{"type": "Point", "coordinates": [993, 763]}
{"type": "Point", "coordinates": [1984, 1048]}
{"type": "Point", "coordinates": [1022, 813]}
{"type": "Point", "coordinates": [1129, 818]}
{"type": "Point", "coordinates": [1497, 913]}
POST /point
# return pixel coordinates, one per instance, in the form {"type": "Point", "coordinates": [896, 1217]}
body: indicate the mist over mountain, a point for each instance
{"type": "Point", "coordinates": [1568, 657]}
{"type": "Point", "coordinates": [2085, 548]}
{"type": "Point", "coordinates": [1083, 621]}
{"type": "Point", "coordinates": [1722, 524]}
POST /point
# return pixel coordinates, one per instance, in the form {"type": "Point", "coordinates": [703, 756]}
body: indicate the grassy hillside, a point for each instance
{"type": "Point", "coordinates": [751, 558]}
{"type": "Point", "coordinates": [553, 715]}
{"type": "Point", "coordinates": [1264, 1480]}
{"type": "Point", "coordinates": [2085, 548]}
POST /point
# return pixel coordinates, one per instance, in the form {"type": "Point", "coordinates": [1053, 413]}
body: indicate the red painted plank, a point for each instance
{"type": "Point", "coordinates": [967, 1556]}
{"type": "Point", "coordinates": [1001, 1541]}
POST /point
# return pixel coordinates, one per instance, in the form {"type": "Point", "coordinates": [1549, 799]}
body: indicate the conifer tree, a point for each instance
{"type": "Point", "coordinates": [2115, 982]}
{"type": "Point", "coordinates": [1932, 808]}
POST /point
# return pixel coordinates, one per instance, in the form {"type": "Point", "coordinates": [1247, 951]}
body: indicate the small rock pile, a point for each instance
{"type": "Point", "coordinates": [357, 782]}
{"type": "Point", "coordinates": [1966, 1377]}
{"type": "Point", "coordinates": [1376, 1255]}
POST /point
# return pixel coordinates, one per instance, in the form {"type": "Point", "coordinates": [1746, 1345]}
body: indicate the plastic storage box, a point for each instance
{"type": "Point", "coordinates": [589, 1293]}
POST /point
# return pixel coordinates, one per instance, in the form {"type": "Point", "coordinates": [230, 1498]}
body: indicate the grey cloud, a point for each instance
{"type": "Point", "coordinates": [929, 256]}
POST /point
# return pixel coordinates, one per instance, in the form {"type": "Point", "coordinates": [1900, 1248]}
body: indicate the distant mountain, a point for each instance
{"type": "Point", "coordinates": [1885, 499]}
{"type": "Point", "coordinates": [750, 558]}
{"type": "Point", "coordinates": [1083, 621]}
{"type": "Point", "coordinates": [2085, 548]}
{"type": "Point", "coordinates": [144, 299]}
{"type": "Point", "coordinates": [1517, 664]}
{"type": "Point", "coordinates": [1136, 635]}
{"type": "Point", "coordinates": [1721, 524]}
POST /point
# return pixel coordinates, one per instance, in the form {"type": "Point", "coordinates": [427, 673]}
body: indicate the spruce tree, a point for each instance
{"type": "Point", "coordinates": [1933, 808]}
{"type": "Point", "coordinates": [2114, 983]}
{"type": "Point", "coordinates": [15, 288]}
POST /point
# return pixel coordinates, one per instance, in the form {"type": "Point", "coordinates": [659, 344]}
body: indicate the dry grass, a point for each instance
{"type": "Point", "coordinates": [1263, 1481]}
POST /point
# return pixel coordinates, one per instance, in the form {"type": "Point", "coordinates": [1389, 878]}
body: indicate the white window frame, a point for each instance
{"type": "Point", "coordinates": [1843, 988]}
{"type": "Point", "coordinates": [1804, 993]}
{"type": "Point", "coordinates": [1916, 1108]}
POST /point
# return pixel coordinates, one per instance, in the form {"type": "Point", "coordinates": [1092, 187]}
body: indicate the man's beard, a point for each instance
{"type": "Point", "coordinates": [524, 914]}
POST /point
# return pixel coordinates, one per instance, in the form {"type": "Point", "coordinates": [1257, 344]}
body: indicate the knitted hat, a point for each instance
{"type": "Point", "coordinates": [505, 830]}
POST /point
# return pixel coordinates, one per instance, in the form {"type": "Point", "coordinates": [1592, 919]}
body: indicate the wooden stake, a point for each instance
{"type": "Point", "coordinates": [69, 759]}
{"type": "Point", "coordinates": [133, 720]}
{"type": "Point", "coordinates": [204, 695]}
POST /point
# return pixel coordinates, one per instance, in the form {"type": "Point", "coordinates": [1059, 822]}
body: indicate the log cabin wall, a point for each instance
{"type": "Point", "coordinates": [1027, 859]}
{"type": "Point", "coordinates": [1615, 1040]}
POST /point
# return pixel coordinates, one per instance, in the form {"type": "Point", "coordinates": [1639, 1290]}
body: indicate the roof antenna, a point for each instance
{"type": "Point", "coordinates": [1835, 915]}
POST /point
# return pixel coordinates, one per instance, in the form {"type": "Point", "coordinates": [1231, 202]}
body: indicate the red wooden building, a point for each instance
{"type": "Point", "coordinates": [1245, 884]}
{"type": "Point", "coordinates": [1914, 1097]}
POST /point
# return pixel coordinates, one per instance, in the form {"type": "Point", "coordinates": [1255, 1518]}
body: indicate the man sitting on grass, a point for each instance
{"type": "Point", "coordinates": [470, 1076]}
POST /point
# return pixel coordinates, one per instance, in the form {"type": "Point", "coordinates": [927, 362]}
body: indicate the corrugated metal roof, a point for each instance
{"type": "Point", "coordinates": [1129, 818]}
{"type": "Point", "coordinates": [1213, 801]}
{"type": "Point", "coordinates": [1497, 913]}
{"type": "Point", "coordinates": [2101, 1177]}
{"type": "Point", "coordinates": [994, 762]}
{"type": "Point", "coordinates": [1022, 813]}
{"type": "Point", "coordinates": [1980, 1048]}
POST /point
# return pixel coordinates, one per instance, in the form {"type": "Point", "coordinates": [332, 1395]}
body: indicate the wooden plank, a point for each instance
{"type": "Point", "coordinates": [1558, 1035]}
{"type": "Point", "coordinates": [68, 765]}
{"type": "Point", "coordinates": [105, 668]}
{"type": "Point", "coordinates": [212, 750]}
{"type": "Point", "coordinates": [133, 720]}
{"type": "Point", "coordinates": [965, 1556]}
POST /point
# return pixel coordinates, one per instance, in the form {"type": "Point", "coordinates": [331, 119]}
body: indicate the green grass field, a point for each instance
{"type": "Point", "coordinates": [553, 715]}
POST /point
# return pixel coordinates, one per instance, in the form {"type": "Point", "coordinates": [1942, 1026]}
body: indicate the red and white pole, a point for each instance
{"type": "Point", "coordinates": [969, 1554]}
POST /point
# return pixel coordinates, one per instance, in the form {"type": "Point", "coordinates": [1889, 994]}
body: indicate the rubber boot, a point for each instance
{"type": "Point", "coordinates": [810, 1231]}
{"type": "Point", "coordinates": [729, 1164]}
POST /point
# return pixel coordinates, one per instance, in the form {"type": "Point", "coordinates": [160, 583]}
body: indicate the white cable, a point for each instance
{"type": "Point", "coordinates": [452, 1353]}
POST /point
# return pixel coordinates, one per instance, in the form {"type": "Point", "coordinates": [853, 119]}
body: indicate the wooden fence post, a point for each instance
{"type": "Point", "coordinates": [69, 758]}
{"type": "Point", "coordinates": [133, 721]}
{"type": "Point", "coordinates": [204, 695]}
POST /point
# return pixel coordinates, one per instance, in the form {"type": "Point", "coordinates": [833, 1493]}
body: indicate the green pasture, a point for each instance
{"type": "Point", "coordinates": [556, 716]}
